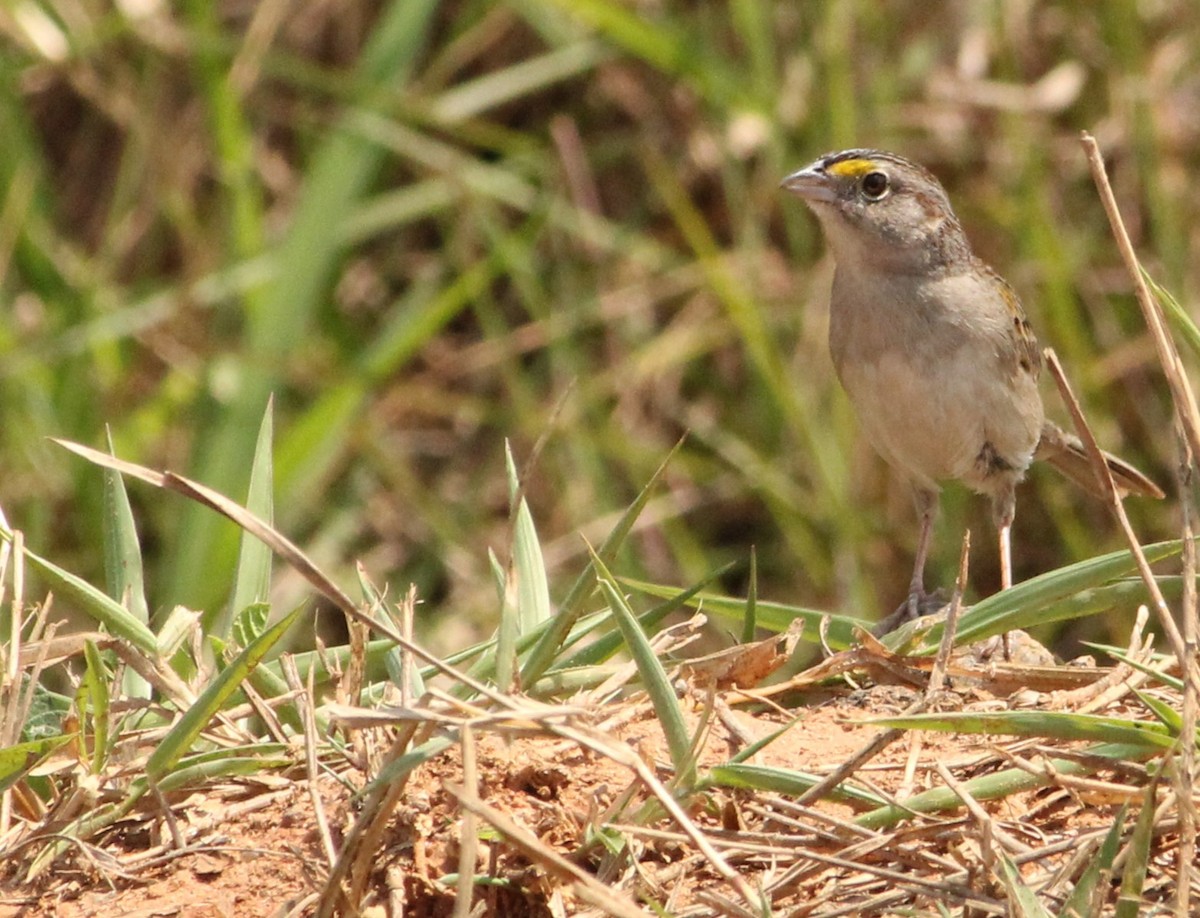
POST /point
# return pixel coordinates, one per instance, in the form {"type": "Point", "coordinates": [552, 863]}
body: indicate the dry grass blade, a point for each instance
{"type": "Point", "coordinates": [1168, 355]}
{"type": "Point", "coordinates": [57, 648]}
{"type": "Point", "coordinates": [1187, 773]}
{"type": "Point", "coordinates": [586, 886]}
{"type": "Point", "coordinates": [304, 697]}
{"type": "Point", "coordinates": [1187, 415]}
{"type": "Point", "coordinates": [468, 840]}
{"type": "Point", "coordinates": [624, 755]}
{"type": "Point", "coordinates": [345, 886]}
{"type": "Point", "coordinates": [937, 676]}
{"type": "Point", "coordinates": [1166, 620]}
{"type": "Point", "coordinates": [275, 540]}
{"type": "Point", "coordinates": [282, 546]}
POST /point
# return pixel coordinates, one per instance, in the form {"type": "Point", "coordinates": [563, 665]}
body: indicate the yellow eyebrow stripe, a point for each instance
{"type": "Point", "coordinates": [852, 168]}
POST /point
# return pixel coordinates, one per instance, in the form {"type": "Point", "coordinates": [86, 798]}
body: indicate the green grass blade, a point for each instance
{"type": "Point", "coordinates": [750, 621]}
{"type": "Point", "coordinates": [587, 657]}
{"type": "Point", "coordinates": [123, 562]}
{"type": "Point", "coordinates": [605, 646]}
{"type": "Point", "coordinates": [662, 44]}
{"type": "Point", "coordinates": [1079, 904]}
{"type": "Point", "coordinates": [95, 690]}
{"type": "Point", "coordinates": [396, 769]}
{"type": "Point", "coordinates": [774, 616]}
{"type": "Point", "coordinates": [248, 625]}
{"type": "Point", "coordinates": [785, 781]}
{"type": "Point", "coordinates": [17, 761]}
{"type": "Point", "coordinates": [507, 630]}
{"type": "Point", "coordinates": [180, 737]}
{"type": "Point", "coordinates": [524, 590]}
{"type": "Point", "coordinates": [472, 97]}
{"type": "Point", "coordinates": [548, 646]}
{"type": "Point", "coordinates": [1167, 715]}
{"type": "Point", "coordinates": [252, 583]}
{"type": "Point", "coordinates": [758, 745]}
{"type": "Point", "coordinates": [1181, 320]}
{"type": "Point", "coordinates": [1022, 900]}
{"type": "Point", "coordinates": [122, 550]}
{"type": "Point", "coordinates": [232, 764]}
{"type": "Point", "coordinates": [654, 678]}
{"type": "Point", "coordinates": [1024, 605]}
{"type": "Point", "coordinates": [1120, 655]}
{"type": "Point", "coordinates": [393, 658]}
{"type": "Point", "coordinates": [529, 567]}
{"type": "Point", "coordinates": [1137, 861]}
{"type": "Point", "coordinates": [1000, 784]}
{"type": "Point", "coordinates": [95, 603]}
{"type": "Point", "coordinates": [1049, 724]}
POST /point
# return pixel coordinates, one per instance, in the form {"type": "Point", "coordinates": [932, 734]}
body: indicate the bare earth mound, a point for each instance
{"type": "Point", "coordinates": [253, 847]}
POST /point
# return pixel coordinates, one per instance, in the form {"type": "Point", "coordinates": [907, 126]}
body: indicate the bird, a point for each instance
{"type": "Point", "coordinates": [933, 348]}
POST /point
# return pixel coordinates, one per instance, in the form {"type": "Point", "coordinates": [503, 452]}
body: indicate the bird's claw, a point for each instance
{"type": "Point", "coordinates": [917, 605]}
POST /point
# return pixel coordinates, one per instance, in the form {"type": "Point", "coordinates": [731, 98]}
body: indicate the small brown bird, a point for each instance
{"type": "Point", "coordinates": [932, 346]}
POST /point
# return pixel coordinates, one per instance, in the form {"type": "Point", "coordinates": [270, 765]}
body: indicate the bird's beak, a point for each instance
{"type": "Point", "coordinates": [812, 184]}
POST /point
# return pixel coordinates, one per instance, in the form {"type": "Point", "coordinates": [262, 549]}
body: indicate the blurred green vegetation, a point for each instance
{"type": "Point", "coordinates": [427, 227]}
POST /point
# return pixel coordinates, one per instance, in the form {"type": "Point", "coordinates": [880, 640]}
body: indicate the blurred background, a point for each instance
{"type": "Point", "coordinates": [428, 227]}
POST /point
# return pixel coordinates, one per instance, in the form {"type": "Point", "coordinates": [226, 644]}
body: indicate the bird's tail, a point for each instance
{"type": "Point", "coordinates": [1066, 453]}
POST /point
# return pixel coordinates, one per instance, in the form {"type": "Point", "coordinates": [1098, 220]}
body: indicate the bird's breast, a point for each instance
{"type": "Point", "coordinates": [933, 395]}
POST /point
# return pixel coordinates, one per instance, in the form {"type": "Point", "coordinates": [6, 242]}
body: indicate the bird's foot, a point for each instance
{"type": "Point", "coordinates": [996, 648]}
{"type": "Point", "coordinates": [918, 605]}
{"type": "Point", "coordinates": [1013, 647]}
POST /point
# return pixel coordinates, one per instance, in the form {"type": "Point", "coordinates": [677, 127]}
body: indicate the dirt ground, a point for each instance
{"type": "Point", "coordinates": [253, 846]}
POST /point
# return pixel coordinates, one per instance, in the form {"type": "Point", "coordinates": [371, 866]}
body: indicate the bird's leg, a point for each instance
{"type": "Point", "coordinates": [1004, 510]}
{"type": "Point", "coordinates": [918, 602]}
{"type": "Point", "coordinates": [1006, 557]}
{"type": "Point", "coordinates": [927, 502]}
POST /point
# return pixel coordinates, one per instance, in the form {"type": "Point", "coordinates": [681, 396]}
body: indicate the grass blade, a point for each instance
{"type": "Point", "coordinates": [774, 616]}
{"type": "Point", "coordinates": [122, 550]}
{"type": "Point", "coordinates": [654, 678]}
{"type": "Point", "coordinates": [1024, 605]}
{"type": "Point", "coordinates": [785, 781]}
{"type": "Point", "coordinates": [750, 622]}
{"type": "Point", "coordinates": [17, 761]}
{"type": "Point", "coordinates": [1000, 784]}
{"type": "Point", "coordinates": [123, 562]}
{"type": "Point", "coordinates": [1049, 724]}
{"type": "Point", "coordinates": [1021, 899]}
{"type": "Point", "coordinates": [546, 648]}
{"type": "Point", "coordinates": [93, 693]}
{"type": "Point", "coordinates": [252, 583]}
{"type": "Point", "coordinates": [181, 736]}
{"type": "Point", "coordinates": [97, 604]}
{"type": "Point", "coordinates": [1133, 878]}
{"type": "Point", "coordinates": [1079, 904]}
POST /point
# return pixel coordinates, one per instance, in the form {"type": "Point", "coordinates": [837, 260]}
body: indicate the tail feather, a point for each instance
{"type": "Point", "coordinates": [1066, 453]}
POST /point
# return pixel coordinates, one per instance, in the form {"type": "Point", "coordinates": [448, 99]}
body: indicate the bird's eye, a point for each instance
{"type": "Point", "coordinates": [874, 185]}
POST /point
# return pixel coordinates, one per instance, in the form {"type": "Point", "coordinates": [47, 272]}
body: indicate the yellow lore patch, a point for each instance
{"type": "Point", "coordinates": [852, 168]}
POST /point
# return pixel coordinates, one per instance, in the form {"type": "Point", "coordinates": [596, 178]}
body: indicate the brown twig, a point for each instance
{"type": "Point", "coordinates": [937, 678]}
{"type": "Point", "coordinates": [1187, 416]}
{"type": "Point", "coordinates": [1100, 467]}
{"type": "Point", "coordinates": [1168, 354]}
{"type": "Point", "coordinates": [587, 887]}
{"type": "Point", "coordinates": [468, 839]}
{"type": "Point", "coordinates": [1185, 775]}
{"type": "Point", "coordinates": [304, 703]}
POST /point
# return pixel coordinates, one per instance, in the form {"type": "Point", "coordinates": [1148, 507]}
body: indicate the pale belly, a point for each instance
{"type": "Point", "coordinates": [933, 423]}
